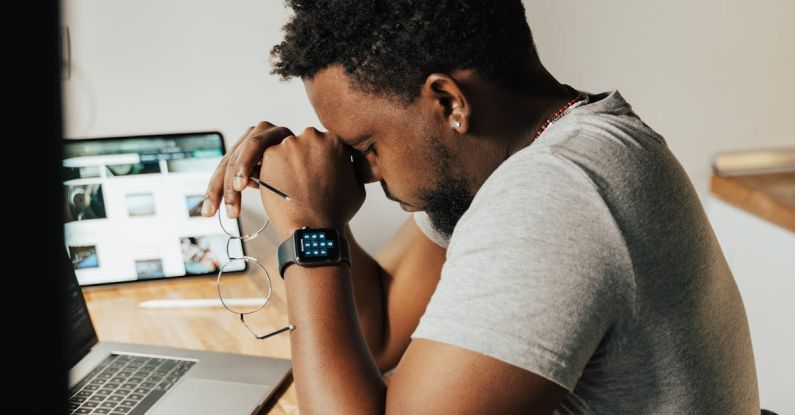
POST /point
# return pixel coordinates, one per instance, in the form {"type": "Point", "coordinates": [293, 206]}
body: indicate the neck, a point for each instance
{"type": "Point", "coordinates": [507, 121]}
{"type": "Point", "coordinates": [531, 111]}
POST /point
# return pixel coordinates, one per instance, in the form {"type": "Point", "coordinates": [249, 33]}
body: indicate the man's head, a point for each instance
{"type": "Point", "coordinates": [401, 82]}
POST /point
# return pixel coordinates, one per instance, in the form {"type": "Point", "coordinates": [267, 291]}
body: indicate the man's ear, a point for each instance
{"type": "Point", "coordinates": [449, 100]}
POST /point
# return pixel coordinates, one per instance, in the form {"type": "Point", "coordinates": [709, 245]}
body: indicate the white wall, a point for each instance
{"type": "Point", "coordinates": [760, 256]}
{"type": "Point", "coordinates": [152, 66]}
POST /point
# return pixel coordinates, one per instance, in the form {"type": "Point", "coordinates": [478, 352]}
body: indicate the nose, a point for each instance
{"type": "Point", "coordinates": [366, 167]}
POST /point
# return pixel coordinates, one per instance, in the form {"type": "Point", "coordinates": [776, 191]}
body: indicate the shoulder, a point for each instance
{"type": "Point", "coordinates": [531, 194]}
{"type": "Point", "coordinates": [597, 155]}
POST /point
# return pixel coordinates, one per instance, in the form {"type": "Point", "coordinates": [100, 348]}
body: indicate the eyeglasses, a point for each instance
{"type": "Point", "coordinates": [234, 235]}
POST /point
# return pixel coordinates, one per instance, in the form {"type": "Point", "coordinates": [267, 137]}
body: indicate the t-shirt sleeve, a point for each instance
{"type": "Point", "coordinates": [537, 272]}
{"type": "Point", "coordinates": [424, 223]}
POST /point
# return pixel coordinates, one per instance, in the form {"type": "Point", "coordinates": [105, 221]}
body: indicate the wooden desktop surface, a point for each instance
{"type": "Point", "coordinates": [117, 317]}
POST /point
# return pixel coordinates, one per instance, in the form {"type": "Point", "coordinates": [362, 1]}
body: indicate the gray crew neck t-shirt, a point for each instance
{"type": "Point", "coordinates": [587, 259]}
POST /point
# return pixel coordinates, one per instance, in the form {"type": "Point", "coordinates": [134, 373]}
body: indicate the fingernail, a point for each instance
{"type": "Point", "coordinates": [229, 210]}
{"type": "Point", "coordinates": [206, 207]}
{"type": "Point", "coordinates": [238, 183]}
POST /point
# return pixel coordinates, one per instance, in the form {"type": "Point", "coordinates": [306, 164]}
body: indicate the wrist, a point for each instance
{"type": "Point", "coordinates": [313, 247]}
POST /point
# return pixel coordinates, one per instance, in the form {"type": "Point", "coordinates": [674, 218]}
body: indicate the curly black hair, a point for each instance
{"type": "Point", "coordinates": [391, 46]}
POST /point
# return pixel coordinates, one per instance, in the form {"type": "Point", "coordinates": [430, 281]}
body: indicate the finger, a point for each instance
{"type": "Point", "coordinates": [231, 195]}
{"type": "Point", "coordinates": [361, 167]}
{"type": "Point", "coordinates": [255, 173]}
{"type": "Point", "coordinates": [215, 187]}
{"type": "Point", "coordinates": [250, 152]}
{"type": "Point", "coordinates": [235, 183]}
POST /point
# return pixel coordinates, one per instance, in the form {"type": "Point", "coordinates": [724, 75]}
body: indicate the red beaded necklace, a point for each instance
{"type": "Point", "coordinates": [557, 115]}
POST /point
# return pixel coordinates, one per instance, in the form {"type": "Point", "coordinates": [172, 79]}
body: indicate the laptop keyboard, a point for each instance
{"type": "Point", "coordinates": [126, 384]}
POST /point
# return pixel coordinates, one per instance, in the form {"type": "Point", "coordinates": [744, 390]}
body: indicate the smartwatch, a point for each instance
{"type": "Point", "coordinates": [313, 247]}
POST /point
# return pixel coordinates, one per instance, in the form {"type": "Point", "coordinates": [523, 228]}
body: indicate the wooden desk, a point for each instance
{"type": "Point", "coordinates": [117, 317]}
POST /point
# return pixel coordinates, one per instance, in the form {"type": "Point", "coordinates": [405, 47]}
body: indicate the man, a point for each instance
{"type": "Point", "coordinates": [561, 263]}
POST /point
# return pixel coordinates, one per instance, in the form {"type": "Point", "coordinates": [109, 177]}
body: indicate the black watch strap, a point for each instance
{"type": "Point", "coordinates": [286, 254]}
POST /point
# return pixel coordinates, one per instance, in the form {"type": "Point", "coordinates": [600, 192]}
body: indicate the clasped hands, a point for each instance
{"type": "Point", "coordinates": [316, 169]}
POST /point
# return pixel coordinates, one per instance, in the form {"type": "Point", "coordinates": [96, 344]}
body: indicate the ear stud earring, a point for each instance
{"type": "Point", "coordinates": [456, 124]}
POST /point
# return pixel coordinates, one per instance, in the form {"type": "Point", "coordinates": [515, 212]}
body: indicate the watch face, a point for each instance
{"type": "Point", "coordinates": [316, 246]}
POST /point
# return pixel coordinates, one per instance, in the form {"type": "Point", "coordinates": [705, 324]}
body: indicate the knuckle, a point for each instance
{"type": "Point", "coordinates": [283, 131]}
{"type": "Point", "coordinates": [231, 158]}
{"type": "Point", "coordinates": [212, 190]}
{"type": "Point", "coordinates": [229, 195]}
{"type": "Point", "coordinates": [268, 136]}
{"type": "Point", "coordinates": [264, 125]}
{"type": "Point", "coordinates": [260, 139]}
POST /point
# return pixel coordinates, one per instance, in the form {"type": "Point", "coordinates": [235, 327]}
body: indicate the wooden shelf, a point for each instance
{"type": "Point", "coordinates": [768, 196]}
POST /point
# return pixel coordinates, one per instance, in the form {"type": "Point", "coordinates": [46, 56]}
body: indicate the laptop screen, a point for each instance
{"type": "Point", "coordinates": [133, 208]}
{"type": "Point", "coordinates": [80, 335]}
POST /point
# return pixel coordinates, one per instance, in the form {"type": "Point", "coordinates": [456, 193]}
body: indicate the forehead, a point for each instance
{"type": "Point", "coordinates": [342, 109]}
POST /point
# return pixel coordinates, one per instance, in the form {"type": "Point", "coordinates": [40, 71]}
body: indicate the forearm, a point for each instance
{"type": "Point", "coordinates": [405, 276]}
{"type": "Point", "coordinates": [367, 278]}
{"type": "Point", "coordinates": [334, 369]}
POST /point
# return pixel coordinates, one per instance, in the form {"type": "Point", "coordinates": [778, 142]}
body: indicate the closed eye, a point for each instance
{"type": "Point", "coordinates": [368, 150]}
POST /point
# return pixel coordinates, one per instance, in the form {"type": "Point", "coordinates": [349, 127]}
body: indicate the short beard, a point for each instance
{"type": "Point", "coordinates": [451, 199]}
{"type": "Point", "coordinates": [447, 204]}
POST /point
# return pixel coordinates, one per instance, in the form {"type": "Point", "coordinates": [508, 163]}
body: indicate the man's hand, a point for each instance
{"type": "Point", "coordinates": [316, 171]}
{"type": "Point", "coordinates": [240, 163]}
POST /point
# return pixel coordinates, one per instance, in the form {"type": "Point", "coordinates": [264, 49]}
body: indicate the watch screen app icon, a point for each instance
{"type": "Point", "coordinates": [316, 244]}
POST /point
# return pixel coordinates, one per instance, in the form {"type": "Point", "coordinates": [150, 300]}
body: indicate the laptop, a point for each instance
{"type": "Point", "coordinates": [119, 378]}
{"type": "Point", "coordinates": [132, 208]}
